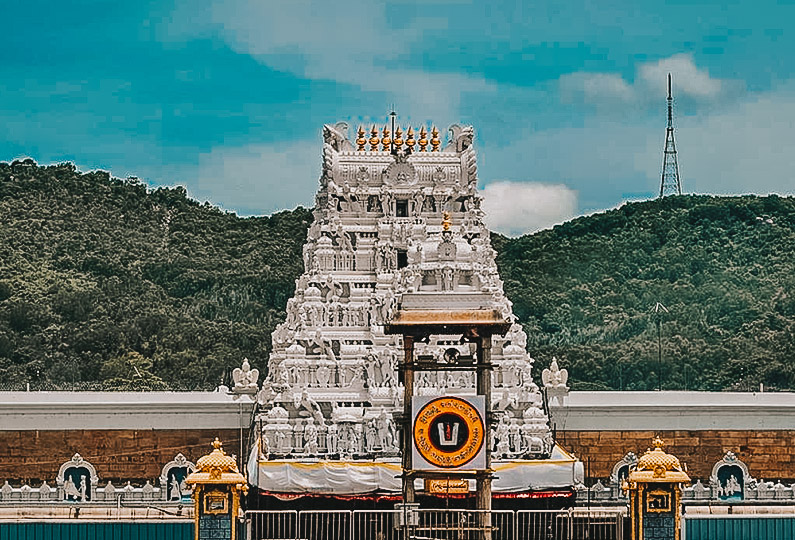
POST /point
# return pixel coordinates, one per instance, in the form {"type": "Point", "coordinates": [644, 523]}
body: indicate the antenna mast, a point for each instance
{"type": "Point", "coordinates": [670, 183]}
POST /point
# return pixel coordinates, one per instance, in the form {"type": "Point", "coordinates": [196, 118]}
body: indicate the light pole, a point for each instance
{"type": "Point", "coordinates": [658, 310]}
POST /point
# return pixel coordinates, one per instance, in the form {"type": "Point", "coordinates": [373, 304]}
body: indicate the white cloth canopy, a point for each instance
{"type": "Point", "coordinates": [561, 470]}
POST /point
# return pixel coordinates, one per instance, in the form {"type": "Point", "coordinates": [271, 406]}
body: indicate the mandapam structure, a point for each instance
{"type": "Point", "coordinates": [393, 215]}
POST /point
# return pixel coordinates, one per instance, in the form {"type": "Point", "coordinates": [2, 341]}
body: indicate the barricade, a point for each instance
{"type": "Point", "coordinates": [436, 524]}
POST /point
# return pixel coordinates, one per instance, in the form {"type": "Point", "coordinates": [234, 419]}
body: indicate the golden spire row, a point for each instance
{"type": "Point", "coordinates": [399, 143]}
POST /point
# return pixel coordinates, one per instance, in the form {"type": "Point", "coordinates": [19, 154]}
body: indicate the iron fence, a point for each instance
{"type": "Point", "coordinates": [436, 524]}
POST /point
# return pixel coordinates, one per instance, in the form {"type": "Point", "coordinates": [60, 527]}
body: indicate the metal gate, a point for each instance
{"type": "Point", "coordinates": [435, 525]}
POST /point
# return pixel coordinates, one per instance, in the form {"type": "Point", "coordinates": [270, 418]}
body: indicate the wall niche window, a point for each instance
{"type": "Point", "coordinates": [402, 208]}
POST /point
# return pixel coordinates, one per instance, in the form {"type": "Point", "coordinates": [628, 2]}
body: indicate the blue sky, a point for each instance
{"type": "Point", "coordinates": [568, 100]}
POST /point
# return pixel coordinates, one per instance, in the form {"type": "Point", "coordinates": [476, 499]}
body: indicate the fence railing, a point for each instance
{"type": "Point", "coordinates": [436, 524]}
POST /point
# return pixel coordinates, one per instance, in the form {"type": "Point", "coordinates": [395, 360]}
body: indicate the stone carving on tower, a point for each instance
{"type": "Point", "coordinates": [395, 213]}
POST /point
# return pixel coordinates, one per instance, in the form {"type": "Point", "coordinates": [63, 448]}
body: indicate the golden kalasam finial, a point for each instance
{"type": "Point", "coordinates": [410, 139]}
{"type": "Point", "coordinates": [446, 221]}
{"type": "Point", "coordinates": [398, 142]}
{"type": "Point", "coordinates": [385, 140]}
{"type": "Point", "coordinates": [374, 138]}
{"type": "Point", "coordinates": [360, 139]}
{"type": "Point", "coordinates": [423, 140]}
{"type": "Point", "coordinates": [435, 142]}
{"type": "Point", "coordinates": [658, 443]}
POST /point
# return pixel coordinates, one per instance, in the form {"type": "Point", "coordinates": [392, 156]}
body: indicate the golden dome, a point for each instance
{"type": "Point", "coordinates": [217, 460]}
{"type": "Point", "coordinates": [652, 460]}
{"type": "Point", "coordinates": [217, 468]}
{"type": "Point", "coordinates": [658, 466]}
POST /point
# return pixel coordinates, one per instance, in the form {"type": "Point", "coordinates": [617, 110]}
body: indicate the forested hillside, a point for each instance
{"type": "Point", "coordinates": [101, 280]}
{"type": "Point", "coordinates": [724, 267]}
{"type": "Point", "coordinates": [104, 284]}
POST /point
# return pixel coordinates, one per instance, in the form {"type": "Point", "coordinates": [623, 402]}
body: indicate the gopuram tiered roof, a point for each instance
{"type": "Point", "coordinates": [395, 213]}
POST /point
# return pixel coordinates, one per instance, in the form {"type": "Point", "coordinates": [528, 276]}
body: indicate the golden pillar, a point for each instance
{"type": "Point", "coordinates": [655, 495]}
{"type": "Point", "coordinates": [217, 488]}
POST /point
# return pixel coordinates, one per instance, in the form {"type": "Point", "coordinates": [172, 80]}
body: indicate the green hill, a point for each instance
{"type": "Point", "coordinates": [723, 266]}
{"type": "Point", "coordinates": [105, 284]}
{"type": "Point", "coordinates": [102, 280]}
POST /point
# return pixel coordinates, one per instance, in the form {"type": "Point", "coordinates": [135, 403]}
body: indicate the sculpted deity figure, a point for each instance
{"type": "Point", "coordinates": [373, 203]}
{"type": "Point", "coordinates": [292, 314]}
{"type": "Point", "coordinates": [554, 377]}
{"type": "Point", "coordinates": [333, 312]}
{"type": "Point", "coordinates": [385, 360]}
{"type": "Point", "coordinates": [502, 436]}
{"type": "Point", "coordinates": [323, 375]}
{"type": "Point", "coordinates": [83, 487]}
{"type": "Point", "coordinates": [447, 278]}
{"type": "Point", "coordinates": [281, 440]}
{"type": "Point", "coordinates": [386, 431]}
{"type": "Point", "coordinates": [375, 310]}
{"type": "Point", "coordinates": [344, 239]}
{"type": "Point", "coordinates": [418, 200]}
{"type": "Point", "coordinates": [70, 490]}
{"type": "Point", "coordinates": [386, 306]}
{"type": "Point", "coordinates": [371, 436]}
{"type": "Point", "coordinates": [386, 201]}
{"type": "Point", "coordinates": [732, 486]}
{"type": "Point", "coordinates": [310, 436]}
{"type": "Point", "coordinates": [304, 401]}
{"type": "Point", "coordinates": [353, 200]}
{"type": "Point", "coordinates": [429, 204]}
{"type": "Point", "coordinates": [175, 493]}
{"type": "Point", "coordinates": [307, 254]}
{"type": "Point", "coordinates": [333, 205]}
{"type": "Point", "coordinates": [245, 378]}
{"type": "Point", "coordinates": [331, 439]}
{"type": "Point", "coordinates": [370, 366]}
{"type": "Point", "coordinates": [516, 436]}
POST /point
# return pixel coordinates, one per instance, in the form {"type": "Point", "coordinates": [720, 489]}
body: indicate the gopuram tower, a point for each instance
{"type": "Point", "coordinates": [395, 213]}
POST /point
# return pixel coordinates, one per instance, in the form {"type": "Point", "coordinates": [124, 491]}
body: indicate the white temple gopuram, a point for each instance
{"type": "Point", "coordinates": [393, 215]}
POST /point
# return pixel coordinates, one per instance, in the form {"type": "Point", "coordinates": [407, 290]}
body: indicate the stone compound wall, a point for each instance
{"type": "Point", "coordinates": [769, 454]}
{"type": "Point", "coordinates": [139, 455]}
{"type": "Point", "coordinates": [118, 455]}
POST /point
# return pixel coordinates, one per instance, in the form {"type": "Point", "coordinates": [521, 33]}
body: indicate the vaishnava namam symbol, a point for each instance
{"type": "Point", "coordinates": [448, 433]}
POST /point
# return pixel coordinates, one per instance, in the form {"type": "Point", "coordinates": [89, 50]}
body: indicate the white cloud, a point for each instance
{"type": "Point", "coordinates": [687, 78]}
{"type": "Point", "coordinates": [649, 86]}
{"type": "Point", "coordinates": [516, 208]}
{"type": "Point", "coordinates": [260, 179]}
{"type": "Point", "coordinates": [595, 88]}
{"type": "Point", "coordinates": [348, 42]}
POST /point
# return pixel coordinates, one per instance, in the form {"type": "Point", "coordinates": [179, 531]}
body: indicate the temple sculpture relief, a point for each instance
{"type": "Point", "coordinates": [394, 213]}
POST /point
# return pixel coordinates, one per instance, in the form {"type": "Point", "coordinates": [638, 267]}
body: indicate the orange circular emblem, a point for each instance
{"type": "Point", "coordinates": [448, 432]}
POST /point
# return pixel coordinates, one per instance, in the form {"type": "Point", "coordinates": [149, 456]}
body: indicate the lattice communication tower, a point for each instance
{"type": "Point", "coordinates": [671, 183]}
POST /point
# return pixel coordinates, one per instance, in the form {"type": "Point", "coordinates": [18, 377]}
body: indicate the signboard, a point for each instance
{"type": "Point", "coordinates": [448, 433]}
{"type": "Point", "coordinates": [446, 485]}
